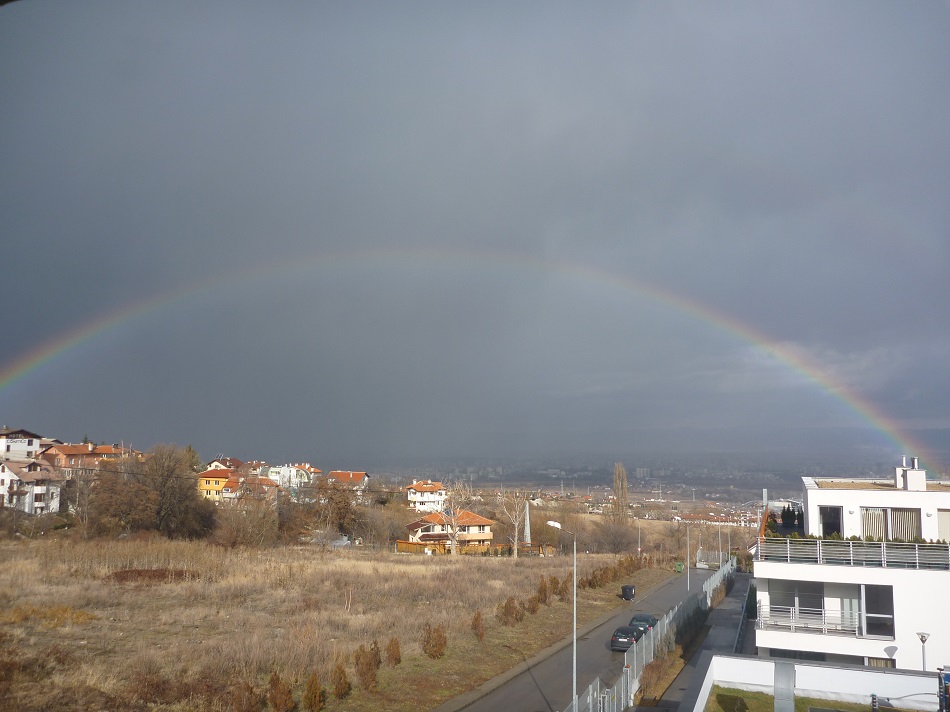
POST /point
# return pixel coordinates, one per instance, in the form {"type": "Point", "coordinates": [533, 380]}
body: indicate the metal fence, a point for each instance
{"type": "Point", "coordinates": [602, 697]}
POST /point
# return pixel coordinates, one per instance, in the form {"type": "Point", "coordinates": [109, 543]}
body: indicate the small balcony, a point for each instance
{"type": "Point", "coordinates": [825, 622]}
{"type": "Point", "coordinates": [834, 552]}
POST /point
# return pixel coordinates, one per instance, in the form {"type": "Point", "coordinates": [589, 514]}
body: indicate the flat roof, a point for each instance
{"type": "Point", "coordinates": [869, 484]}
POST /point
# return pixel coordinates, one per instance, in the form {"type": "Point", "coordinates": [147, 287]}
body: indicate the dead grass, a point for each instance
{"type": "Point", "coordinates": [187, 626]}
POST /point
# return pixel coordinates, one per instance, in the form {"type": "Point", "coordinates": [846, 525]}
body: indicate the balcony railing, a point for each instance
{"type": "Point", "coordinates": [882, 554]}
{"type": "Point", "coordinates": [808, 620]}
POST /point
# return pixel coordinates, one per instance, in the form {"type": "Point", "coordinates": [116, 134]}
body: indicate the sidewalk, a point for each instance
{"type": "Point", "coordinates": [724, 622]}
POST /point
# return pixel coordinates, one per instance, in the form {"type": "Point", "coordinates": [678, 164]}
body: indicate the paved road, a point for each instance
{"type": "Point", "coordinates": [543, 683]}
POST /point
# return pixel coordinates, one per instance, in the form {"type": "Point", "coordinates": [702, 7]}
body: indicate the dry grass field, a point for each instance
{"type": "Point", "coordinates": [169, 625]}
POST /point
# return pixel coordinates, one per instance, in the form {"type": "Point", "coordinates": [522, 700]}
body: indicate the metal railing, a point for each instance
{"type": "Point", "coordinates": [808, 620]}
{"type": "Point", "coordinates": [599, 697]}
{"type": "Point", "coordinates": [882, 554]}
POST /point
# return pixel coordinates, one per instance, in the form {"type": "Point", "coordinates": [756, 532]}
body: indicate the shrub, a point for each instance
{"type": "Point", "coordinates": [566, 588]}
{"type": "Point", "coordinates": [543, 593]}
{"type": "Point", "coordinates": [341, 683]}
{"type": "Point", "coordinates": [244, 698]}
{"type": "Point", "coordinates": [434, 641]}
{"type": "Point", "coordinates": [478, 626]}
{"type": "Point", "coordinates": [279, 695]}
{"type": "Point", "coordinates": [533, 604]}
{"type": "Point", "coordinates": [365, 667]}
{"type": "Point", "coordinates": [313, 695]}
{"type": "Point", "coordinates": [509, 612]}
{"type": "Point", "coordinates": [377, 657]}
{"type": "Point", "coordinates": [393, 653]}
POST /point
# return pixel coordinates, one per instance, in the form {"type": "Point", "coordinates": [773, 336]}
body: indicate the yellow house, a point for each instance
{"type": "Point", "coordinates": [211, 483]}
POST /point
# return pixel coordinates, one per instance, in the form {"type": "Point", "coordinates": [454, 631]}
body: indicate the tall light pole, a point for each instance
{"type": "Point", "coordinates": [923, 649]}
{"type": "Point", "coordinates": [557, 525]}
{"type": "Point", "coordinates": [687, 558]}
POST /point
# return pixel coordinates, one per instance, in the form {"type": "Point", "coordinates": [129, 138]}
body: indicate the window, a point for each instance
{"type": "Point", "coordinates": [796, 594]}
{"type": "Point", "coordinates": [881, 663]}
{"type": "Point", "coordinates": [879, 610]}
{"type": "Point", "coordinates": [830, 518]}
{"type": "Point", "coordinates": [38, 497]}
{"type": "Point", "coordinates": [885, 523]}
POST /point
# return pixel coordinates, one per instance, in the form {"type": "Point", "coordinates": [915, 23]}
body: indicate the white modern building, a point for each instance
{"type": "Point", "coordinates": [426, 496]}
{"type": "Point", "coordinates": [869, 584]}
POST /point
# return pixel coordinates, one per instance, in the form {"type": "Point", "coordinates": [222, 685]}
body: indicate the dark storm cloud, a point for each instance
{"type": "Point", "coordinates": [783, 166]}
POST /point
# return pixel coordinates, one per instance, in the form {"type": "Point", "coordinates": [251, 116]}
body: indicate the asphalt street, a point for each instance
{"type": "Point", "coordinates": [543, 683]}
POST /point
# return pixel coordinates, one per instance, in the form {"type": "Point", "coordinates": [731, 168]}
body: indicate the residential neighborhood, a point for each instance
{"type": "Point", "coordinates": [39, 475]}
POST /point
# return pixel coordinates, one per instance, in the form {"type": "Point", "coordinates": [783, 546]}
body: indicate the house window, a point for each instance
{"type": "Point", "coordinates": [879, 607]}
{"type": "Point", "coordinates": [481, 528]}
{"type": "Point", "coordinates": [830, 518]}
{"type": "Point", "coordinates": [38, 497]}
{"type": "Point", "coordinates": [881, 663]}
{"type": "Point", "coordinates": [885, 523]}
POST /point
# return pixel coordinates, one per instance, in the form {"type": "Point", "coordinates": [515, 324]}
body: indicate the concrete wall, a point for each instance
{"type": "Point", "coordinates": [827, 682]}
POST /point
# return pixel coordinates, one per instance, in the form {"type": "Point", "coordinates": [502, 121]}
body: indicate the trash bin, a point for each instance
{"type": "Point", "coordinates": [679, 567]}
{"type": "Point", "coordinates": [628, 592]}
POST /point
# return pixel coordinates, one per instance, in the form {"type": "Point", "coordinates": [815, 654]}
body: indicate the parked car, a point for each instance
{"type": "Point", "coordinates": [625, 636]}
{"type": "Point", "coordinates": [646, 620]}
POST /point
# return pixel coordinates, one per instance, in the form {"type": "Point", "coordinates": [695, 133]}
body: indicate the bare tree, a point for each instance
{"type": "Point", "coordinates": [619, 511]}
{"type": "Point", "coordinates": [513, 505]}
{"type": "Point", "coordinates": [460, 496]}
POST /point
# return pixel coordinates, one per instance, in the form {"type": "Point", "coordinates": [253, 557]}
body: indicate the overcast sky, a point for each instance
{"type": "Point", "coordinates": [350, 232]}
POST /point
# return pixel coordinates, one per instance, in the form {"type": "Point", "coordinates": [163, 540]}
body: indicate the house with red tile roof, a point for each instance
{"type": "Point", "coordinates": [212, 481]}
{"type": "Point", "coordinates": [224, 463]}
{"type": "Point", "coordinates": [237, 487]}
{"type": "Point", "coordinates": [426, 496]}
{"type": "Point", "coordinates": [437, 528]}
{"type": "Point", "coordinates": [356, 481]}
{"type": "Point", "coordinates": [73, 460]}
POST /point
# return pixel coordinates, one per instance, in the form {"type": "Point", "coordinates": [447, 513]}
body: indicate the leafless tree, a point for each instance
{"type": "Point", "coordinates": [619, 510]}
{"type": "Point", "coordinates": [512, 505]}
{"type": "Point", "coordinates": [460, 497]}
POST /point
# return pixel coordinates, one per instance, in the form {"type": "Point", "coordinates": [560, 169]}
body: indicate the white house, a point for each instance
{"type": "Point", "coordinates": [871, 576]}
{"type": "Point", "coordinates": [290, 476]}
{"type": "Point", "coordinates": [16, 443]}
{"type": "Point", "coordinates": [31, 486]}
{"type": "Point", "coordinates": [426, 496]}
{"type": "Point", "coordinates": [437, 527]}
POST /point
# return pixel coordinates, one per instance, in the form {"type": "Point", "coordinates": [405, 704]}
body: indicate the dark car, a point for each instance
{"type": "Point", "coordinates": [625, 636]}
{"type": "Point", "coordinates": [644, 620]}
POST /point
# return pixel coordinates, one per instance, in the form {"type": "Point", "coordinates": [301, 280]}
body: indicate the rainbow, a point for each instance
{"type": "Point", "coordinates": [63, 343]}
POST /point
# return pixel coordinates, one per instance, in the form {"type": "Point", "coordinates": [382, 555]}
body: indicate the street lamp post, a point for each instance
{"type": "Point", "coordinates": [923, 649]}
{"type": "Point", "coordinates": [720, 545]}
{"type": "Point", "coordinates": [687, 558]}
{"type": "Point", "coordinates": [557, 525]}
